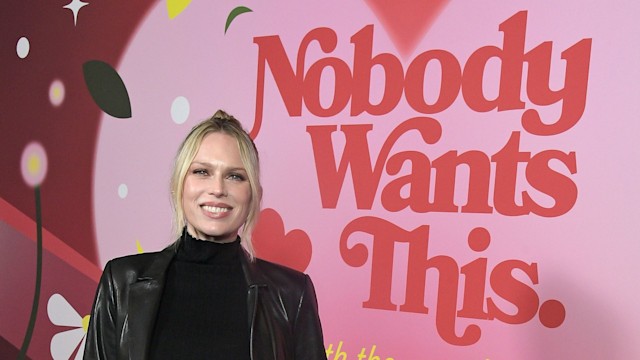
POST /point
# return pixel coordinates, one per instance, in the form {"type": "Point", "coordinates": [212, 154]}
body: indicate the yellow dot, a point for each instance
{"type": "Point", "coordinates": [85, 322]}
{"type": "Point", "coordinates": [139, 247]}
{"type": "Point", "coordinates": [33, 165]}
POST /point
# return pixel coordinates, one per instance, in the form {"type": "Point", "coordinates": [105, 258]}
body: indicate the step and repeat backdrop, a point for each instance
{"type": "Point", "coordinates": [460, 179]}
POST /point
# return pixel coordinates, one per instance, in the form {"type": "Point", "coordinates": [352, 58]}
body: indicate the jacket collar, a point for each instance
{"type": "Point", "coordinates": [252, 275]}
{"type": "Point", "coordinates": [144, 301]}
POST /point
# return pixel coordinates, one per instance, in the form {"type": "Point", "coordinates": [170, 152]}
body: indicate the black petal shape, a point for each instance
{"type": "Point", "coordinates": [107, 89]}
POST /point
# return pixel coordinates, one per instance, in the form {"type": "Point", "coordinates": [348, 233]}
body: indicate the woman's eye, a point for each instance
{"type": "Point", "coordinates": [236, 177]}
{"type": "Point", "coordinates": [200, 172]}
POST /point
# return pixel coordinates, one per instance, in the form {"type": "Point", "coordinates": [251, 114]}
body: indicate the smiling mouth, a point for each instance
{"type": "Point", "coordinates": [216, 209]}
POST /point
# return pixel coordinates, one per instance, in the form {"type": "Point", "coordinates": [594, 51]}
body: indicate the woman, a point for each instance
{"type": "Point", "coordinates": [206, 296]}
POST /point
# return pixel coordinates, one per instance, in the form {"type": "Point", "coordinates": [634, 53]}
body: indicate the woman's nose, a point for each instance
{"type": "Point", "coordinates": [217, 187]}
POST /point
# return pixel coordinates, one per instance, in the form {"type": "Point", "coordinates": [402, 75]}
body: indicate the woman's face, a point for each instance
{"type": "Point", "coordinates": [217, 194]}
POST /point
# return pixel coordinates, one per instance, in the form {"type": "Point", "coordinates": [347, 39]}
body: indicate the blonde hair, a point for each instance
{"type": "Point", "coordinates": [227, 124]}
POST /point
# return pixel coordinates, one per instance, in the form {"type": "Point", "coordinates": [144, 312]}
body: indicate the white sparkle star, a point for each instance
{"type": "Point", "coordinates": [75, 6]}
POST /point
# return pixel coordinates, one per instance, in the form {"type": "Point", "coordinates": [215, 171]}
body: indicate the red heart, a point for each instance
{"type": "Point", "coordinates": [406, 21]}
{"type": "Point", "coordinates": [271, 243]}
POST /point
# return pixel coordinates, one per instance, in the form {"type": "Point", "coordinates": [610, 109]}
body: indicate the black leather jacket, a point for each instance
{"type": "Point", "coordinates": [283, 312]}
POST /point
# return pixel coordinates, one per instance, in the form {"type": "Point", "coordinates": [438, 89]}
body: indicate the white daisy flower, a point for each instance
{"type": "Point", "coordinates": [63, 344]}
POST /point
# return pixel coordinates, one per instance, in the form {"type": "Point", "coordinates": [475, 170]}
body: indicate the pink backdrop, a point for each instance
{"type": "Point", "coordinates": [459, 179]}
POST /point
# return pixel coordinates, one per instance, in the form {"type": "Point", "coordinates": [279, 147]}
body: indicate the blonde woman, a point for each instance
{"type": "Point", "coordinates": [207, 296]}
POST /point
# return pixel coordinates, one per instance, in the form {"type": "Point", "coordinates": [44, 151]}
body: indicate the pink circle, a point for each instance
{"type": "Point", "coordinates": [33, 164]}
{"type": "Point", "coordinates": [552, 313]}
{"type": "Point", "coordinates": [56, 92]}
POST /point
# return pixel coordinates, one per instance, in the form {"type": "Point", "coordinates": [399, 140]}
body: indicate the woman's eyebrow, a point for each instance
{"type": "Point", "coordinates": [209, 165]}
{"type": "Point", "coordinates": [237, 169]}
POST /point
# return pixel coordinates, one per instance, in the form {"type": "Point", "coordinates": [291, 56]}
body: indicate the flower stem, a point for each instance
{"type": "Point", "coordinates": [36, 295]}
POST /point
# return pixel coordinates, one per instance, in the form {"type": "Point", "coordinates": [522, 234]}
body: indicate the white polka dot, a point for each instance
{"type": "Point", "coordinates": [56, 92]}
{"type": "Point", "coordinates": [123, 190]}
{"type": "Point", "coordinates": [180, 110]}
{"type": "Point", "coordinates": [23, 47]}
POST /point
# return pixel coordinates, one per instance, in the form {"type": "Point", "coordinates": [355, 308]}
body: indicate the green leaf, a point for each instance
{"type": "Point", "coordinates": [234, 13]}
{"type": "Point", "coordinates": [107, 88]}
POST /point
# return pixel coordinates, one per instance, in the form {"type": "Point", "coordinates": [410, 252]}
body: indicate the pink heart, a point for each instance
{"type": "Point", "coordinates": [270, 242]}
{"type": "Point", "coordinates": [406, 21]}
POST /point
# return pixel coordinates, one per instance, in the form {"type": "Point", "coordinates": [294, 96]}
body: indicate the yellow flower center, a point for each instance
{"type": "Point", "coordinates": [33, 164]}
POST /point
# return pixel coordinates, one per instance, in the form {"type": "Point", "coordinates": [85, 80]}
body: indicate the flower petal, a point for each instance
{"type": "Point", "coordinates": [80, 353]}
{"type": "Point", "coordinates": [61, 313]}
{"type": "Point", "coordinates": [63, 344]}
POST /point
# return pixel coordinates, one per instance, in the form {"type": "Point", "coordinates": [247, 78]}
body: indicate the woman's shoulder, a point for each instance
{"type": "Point", "coordinates": [287, 286]}
{"type": "Point", "coordinates": [278, 268]}
{"type": "Point", "coordinates": [134, 259]}
{"type": "Point", "coordinates": [139, 263]}
{"type": "Point", "coordinates": [280, 274]}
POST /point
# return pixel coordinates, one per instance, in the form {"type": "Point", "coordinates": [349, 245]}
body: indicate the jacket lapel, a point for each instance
{"type": "Point", "coordinates": [262, 344]}
{"type": "Point", "coordinates": [144, 300]}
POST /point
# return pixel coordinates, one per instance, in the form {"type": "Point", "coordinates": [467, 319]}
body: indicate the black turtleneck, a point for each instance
{"type": "Point", "coordinates": [203, 311]}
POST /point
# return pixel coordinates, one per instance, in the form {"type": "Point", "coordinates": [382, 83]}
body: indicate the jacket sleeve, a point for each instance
{"type": "Point", "coordinates": [102, 335]}
{"type": "Point", "coordinates": [309, 343]}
